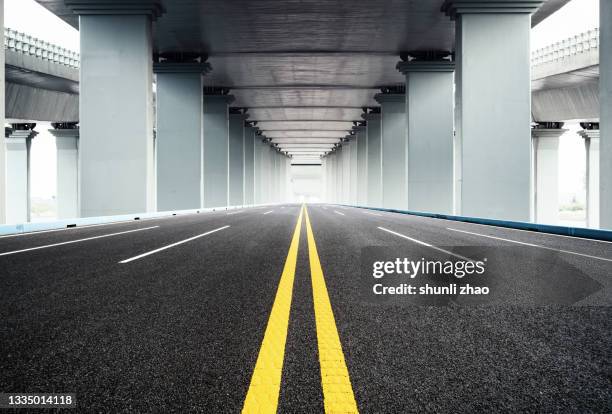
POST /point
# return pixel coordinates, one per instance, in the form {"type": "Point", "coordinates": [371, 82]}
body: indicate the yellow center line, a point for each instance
{"type": "Point", "coordinates": [262, 396]}
{"type": "Point", "coordinates": [338, 394]}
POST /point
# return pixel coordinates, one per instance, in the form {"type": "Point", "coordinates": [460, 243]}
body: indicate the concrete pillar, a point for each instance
{"type": "Point", "coordinates": [374, 158]}
{"type": "Point", "coordinates": [493, 106]}
{"type": "Point", "coordinates": [429, 113]}
{"type": "Point", "coordinates": [545, 139]}
{"type": "Point", "coordinates": [394, 150]}
{"type": "Point", "coordinates": [591, 135]}
{"type": "Point", "coordinates": [116, 106]}
{"type": "Point", "coordinates": [339, 198]}
{"type": "Point", "coordinates": [354, 163]}
{"type": "Point", "coordinates": [216, 149]}
{"type": "Point", "coordinates": [18, 142]}
{"type": "Point", "coordinates": [3, 182]}
{"type": "Point", "coordinates": [236, 157]}
{"type": "Point", "coordinates": [346, 172]}
{"type": "Point", "coordinates": [605, 116]}
{"type": "Point", "coordinates": [249, 165]}
{"type": "Point", "coordinates": [67, 167]}
{"type": "Point", "coordinates": [179, 134]}
{"type": "Point", "coordinates": [283, 178]}
{"type": "Point", "coordinates": [331, 181]}
{"type": "Point", "coordinates": [362, 165]}
{"type": "Point", "coordinates": [257, 169]}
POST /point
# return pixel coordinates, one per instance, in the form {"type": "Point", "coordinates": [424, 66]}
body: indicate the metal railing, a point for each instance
{"type": "Point", "coordinates": [572, 46]}
{"type": "Point", "coordinates": [21, 42]}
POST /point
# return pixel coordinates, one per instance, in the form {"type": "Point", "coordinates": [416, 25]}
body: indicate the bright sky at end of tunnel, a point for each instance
{"type": "Point", "coordinates": [29, 17]}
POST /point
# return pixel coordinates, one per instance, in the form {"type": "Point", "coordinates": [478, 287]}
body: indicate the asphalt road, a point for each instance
{"type": "Point", "coordinates": [168, 315]}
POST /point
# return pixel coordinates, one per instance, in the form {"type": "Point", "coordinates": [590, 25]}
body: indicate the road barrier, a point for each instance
{"type": "Point", "coordinates": [580, 232]}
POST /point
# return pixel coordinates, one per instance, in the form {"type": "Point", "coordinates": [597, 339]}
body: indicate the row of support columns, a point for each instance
{"type": "Point", "coordinates": [408, 163]}
{"type": "Point", "coordinates": [201, 155]}
{"type": "Point", "coordinates": [458, 140]}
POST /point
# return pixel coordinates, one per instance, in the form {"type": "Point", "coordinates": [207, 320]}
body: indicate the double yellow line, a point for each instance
{"type": "Point", "coordinates": [262, 396]}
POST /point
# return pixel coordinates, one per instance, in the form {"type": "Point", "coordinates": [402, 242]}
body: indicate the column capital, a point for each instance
{"type": "Point", "coordinates": [454, 7]}
{"type": "Point", "coordinates": [181, 67]}
{"type": "Point", "coordinates": [65, 130]}
{"type": "Point", "coordinates": [228, 99]}
{"type": "Point", "coordinates": [590, 130]}
{"type": "Point", "coordinates": [547, 130]}
{"type": "Point", "coordinates": [425, 66]}
{"type": "Point", "coordinates": [20, 131]}
{"type": "Point", "coordinates": [589, 133]}
{"type": "Point", "coordinates": [152, 8]}
{"type": "Point", "coordinates": [371, 113]}
{"type": "Point", "coordinates": [239, 112]}
{"type": "Point", "coordinates": [389, 97]}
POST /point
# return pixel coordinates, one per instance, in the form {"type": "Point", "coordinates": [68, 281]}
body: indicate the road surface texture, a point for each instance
{"type": "Point", "coordinates": [183, 314]}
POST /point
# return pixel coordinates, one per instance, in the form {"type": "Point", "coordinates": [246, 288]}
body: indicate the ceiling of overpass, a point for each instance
{"type": "Point", "coordinates": [316, 61]}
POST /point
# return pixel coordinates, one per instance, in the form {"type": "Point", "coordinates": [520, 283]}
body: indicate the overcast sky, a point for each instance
{"type": "Point", "coordinates": [29, 17]}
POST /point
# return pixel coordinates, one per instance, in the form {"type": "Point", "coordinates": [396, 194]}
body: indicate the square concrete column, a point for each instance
{"type": "Point", "coordinates": [17, 145]}
{"type": "Point", "coordinates": [284, 171]}
{"type": "Point", "coordinates": [339, 198]}
{"type": "Point", "coordinates": [354, 174]}
{"type": "Point", "coordinates": [179, 134]}
{"type": "Point", "coordinates": [332, 189]}
{"type": "Point", "coordinates": [374, 158]}
{"type": "Point", "coordinates": [545, 139]}
{"type": "Point", "coordinates": [605, 116]}
{"type": "Point", "coordinates": [236, 156]}
{"type": "Point", "coordinates": [429, 114]}
{"type": "Point", "coordinates": [493, 106]}
{"type": "Point", "coordinates": [3, 182]}
{"type": "Point", "coordinates": [116, 106]}
{"type": "Point", "coordinates": [346, 172]}
{"type": "Point", "coordinates": [258, 147]}
{"type": "Point", "coordinates": [394, 150]}
{"type": "Point", "coordinates": [216, 149]}
{"type": "Point", "coordinates": [362, 165]}
{"type": "Point", "coordinates": [591, 135]}
{"type": "Point", "coordinates": [67, 167]}
{"type": "Point", "coordinates": [249, 165]}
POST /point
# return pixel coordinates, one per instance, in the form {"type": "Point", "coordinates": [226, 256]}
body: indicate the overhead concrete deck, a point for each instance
{"type": "Point", "coordinates": [314, 61]}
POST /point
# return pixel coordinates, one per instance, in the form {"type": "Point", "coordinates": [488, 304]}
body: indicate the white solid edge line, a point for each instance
{"type": "Point", "coordinates": [140, 256]}
{"type": "Point", "coordinates": [268, 212]}
{"type": "Point", "coordinates": [235, 212]}
{"type": "Point", "coordinates": [373, 214]}
{"type": "Point", "coordinates": [427, 245]}
{"type": "Point", "coordinates": [76, 241]}
{"type": "Point", "coordinates": [531, 244]}
{"type": "Point", "coordinates": [337, 212]}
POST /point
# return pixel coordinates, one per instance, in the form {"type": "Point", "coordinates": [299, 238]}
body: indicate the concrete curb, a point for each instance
{"type": "Point", "coordinates": [580, 232]}
{"type": "Point", "coordinates": [8, 229]}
